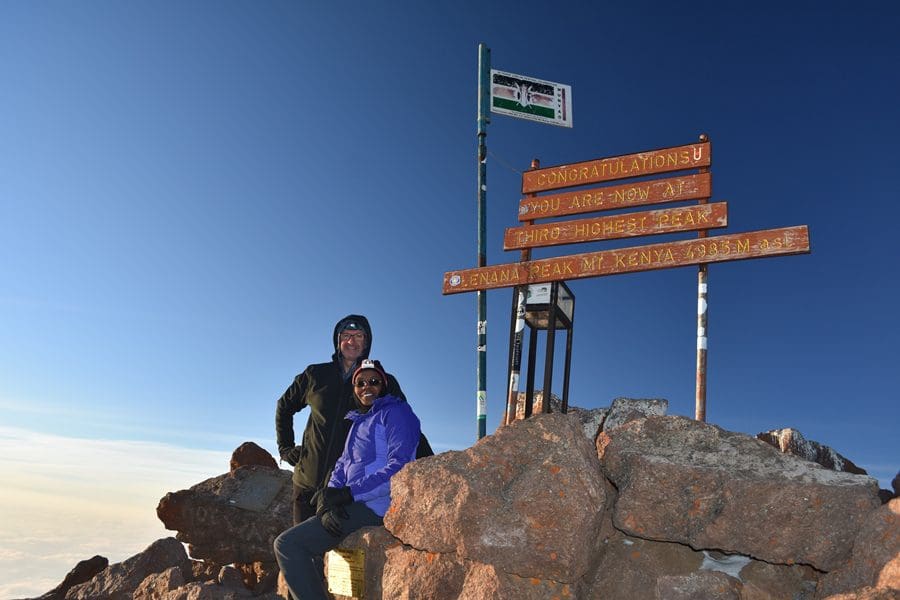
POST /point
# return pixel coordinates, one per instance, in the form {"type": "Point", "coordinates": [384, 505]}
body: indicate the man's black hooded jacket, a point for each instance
{"type": "Point", "coordinates": [329, 397]}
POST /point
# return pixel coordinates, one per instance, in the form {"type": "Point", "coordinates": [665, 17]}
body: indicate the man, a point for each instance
{"type": "Point", "coordinates": [327, 390]}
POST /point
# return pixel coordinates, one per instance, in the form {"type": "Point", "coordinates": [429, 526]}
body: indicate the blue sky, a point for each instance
{"type": "Point", "coordinates": [191, 194]}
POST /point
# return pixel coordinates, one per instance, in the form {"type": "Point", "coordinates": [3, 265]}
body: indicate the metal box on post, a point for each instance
{"type": "Point", "coordinates": [548, 306]}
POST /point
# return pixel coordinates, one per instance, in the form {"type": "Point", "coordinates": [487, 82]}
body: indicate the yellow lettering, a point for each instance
{"type": "Point", "coordinates": [671, 191]}
{"type": "Point", "coordinates": [619, 261]}
{"type": "Point", "coordinates": [743, 245]}
{"type": "Point", "coordinates": [591, 263]}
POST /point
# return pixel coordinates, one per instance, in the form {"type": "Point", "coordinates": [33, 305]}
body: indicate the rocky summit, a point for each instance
{"type": "Point", "coordinates": [617, 503]}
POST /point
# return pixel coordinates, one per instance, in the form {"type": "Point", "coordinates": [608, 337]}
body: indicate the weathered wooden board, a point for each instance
{"type": "Point", "coordinates": [736, 246]}
{"type": "Point", "coordinates": [649, 222]}
{"type": "Point", "coordinates": [665, 160]}
{"type": "Point", "coordinates": [642, 193]}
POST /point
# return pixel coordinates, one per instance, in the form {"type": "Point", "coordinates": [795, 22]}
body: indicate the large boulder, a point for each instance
{"type": "Point", "coordinates": [527, 500]}
{"type": "Point", "coordinates": [120, 580]}
{"type": "Point", "coordinates": [248, 454]}
{"type": "Point", "coordinates": [791, 441]}
{"type": "Point", "coordinates": [590, 419]}
{"type": "Point", "coordinates": [636, 569]}
{"type": "Point", "coordinates": [708, 585]}
{"type": "Point", "coordinates": [158, 585]}
{"type": "Point", "coordinates": [232, 518]}
{"type": "Point", "coordinates": [629, 566]}
{"type": "Point", "coordinates": [411, 574]}
{"type": "Point", "coordinates": [623, 410]}
{"type": "Point", "coordinates": [875, 561]}
{"type": "Point", "coordinates": [82, 572]}
{"type": "Point", "coordinates": [685, 481]}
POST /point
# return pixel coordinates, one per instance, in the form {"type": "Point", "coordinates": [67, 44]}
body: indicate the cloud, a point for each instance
{"type": "Point", "coordinates": [67, 499]}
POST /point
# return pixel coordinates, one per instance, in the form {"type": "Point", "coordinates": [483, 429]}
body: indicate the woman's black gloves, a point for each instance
{"type": "Point", "coordinates": [330, 503]}
{"type": "Point", "coordinates": [337, 496]}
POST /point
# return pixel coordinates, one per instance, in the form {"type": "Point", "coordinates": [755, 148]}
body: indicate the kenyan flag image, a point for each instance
{"type": "Point", "coordinates": [516, 95]}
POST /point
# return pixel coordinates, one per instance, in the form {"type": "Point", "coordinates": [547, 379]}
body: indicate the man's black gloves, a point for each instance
{"type": "Point", "coordinates": [330, 503]}
{"type": "Point", "coordinates": [291, 455]}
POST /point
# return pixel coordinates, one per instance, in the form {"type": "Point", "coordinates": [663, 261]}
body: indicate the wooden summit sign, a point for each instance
{"type": "Point", "coordinates": [657, 191]}
{"type": "Point", "coordinates": [651, 222]}
{"type": "Point", "coordinates": [737, 246]}
{"type": "Point", "coordinates": [681, 158]}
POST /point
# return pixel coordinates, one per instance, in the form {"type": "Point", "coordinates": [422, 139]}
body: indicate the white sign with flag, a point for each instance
{"type": "Point", "coordinates": [532, 99]}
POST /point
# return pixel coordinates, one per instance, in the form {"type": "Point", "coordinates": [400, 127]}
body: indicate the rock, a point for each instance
{"type": "Point", "coordinates": [630, 567]}
{"type": "Point", "coordinates": [414, 574]}
{"type": "Point", "coordinates": [537, 404]}
{"type": "Point", "coordinates": [230, 577]}
{"type": "Point", "coordinates": [875, 560]}
{"type": "Point", "coordinates": [233, 518]}
{"type": "Point", "coordinates": [590, 418]}
{"type": "Point", "coordinates": [527, 500]}
{"type": "Point", "coordinates": [120, 580]}
{"type": "Point", "coordinates": [623, 410]}
{"type": "Point", "coordinates": [248, 454]}
{"type": "Point", "coordinates": [82, 572]}
{"type": "Point", "coordinates": [212, 591]}
{"type": "Point", "coordinates": [158, 585]}
{"type": "Point", "coordinates": [791, 441]}
{"type": "Point", "coordinates": [258, 576]}
{"type": "Point", "coordinates": [488, 582]}
{"type": "Point", "coordinates": [765, 581]}
{"type": "Point", "coordinates": [867, 593]}
{"type": "Point", "coordinates": [411, 574]}
{"type": "Point", "coordinates": [707, 585]}
{"type": "Point", "coordinates": [204, 570]}
{"type": "Point", "coordinates": [685, 481]}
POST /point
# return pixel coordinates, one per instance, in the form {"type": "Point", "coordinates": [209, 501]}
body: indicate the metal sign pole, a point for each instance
{"type": "Point", "coordinates": [702, 331]}
{"type": "Point", "coordinates": [484, 75]}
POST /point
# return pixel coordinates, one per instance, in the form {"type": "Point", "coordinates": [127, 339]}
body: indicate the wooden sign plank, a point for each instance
{"type": "Point", "coordinates": [736, 246]}
{"type": "Point", "coordinates": [665, 160]}
{"type": "Point", "coordinates": [649, 222]}
{"type": "Point", "coordinates": [657, 191]}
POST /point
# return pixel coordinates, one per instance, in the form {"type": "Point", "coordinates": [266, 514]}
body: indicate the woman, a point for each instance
{"type": "Point", "coordinates": [383, 437]}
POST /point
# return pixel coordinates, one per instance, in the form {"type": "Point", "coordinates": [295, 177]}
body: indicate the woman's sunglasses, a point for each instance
{"type": "Point", "coordinates": [361, 383]}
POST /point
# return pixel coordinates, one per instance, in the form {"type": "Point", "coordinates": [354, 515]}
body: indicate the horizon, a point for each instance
{"type": "Point", "coordinates": [193, 195]}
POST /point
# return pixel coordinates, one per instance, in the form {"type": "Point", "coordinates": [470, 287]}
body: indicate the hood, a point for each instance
{"type": "Point", "coordinates": [364, 322]}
